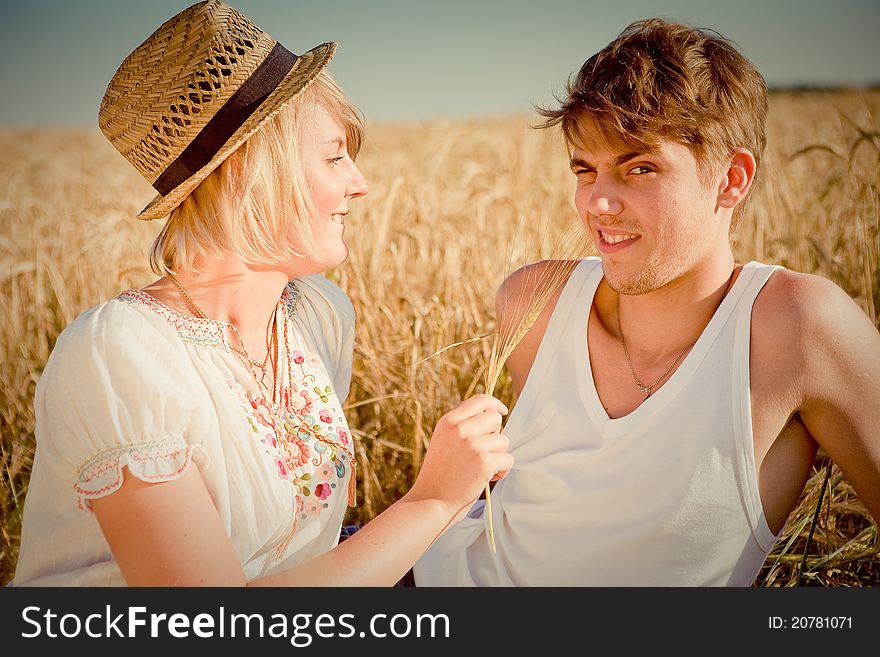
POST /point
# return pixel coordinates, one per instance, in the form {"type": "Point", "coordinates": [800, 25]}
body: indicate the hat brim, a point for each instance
{"type": "Point", "coordinates": [304, 71]}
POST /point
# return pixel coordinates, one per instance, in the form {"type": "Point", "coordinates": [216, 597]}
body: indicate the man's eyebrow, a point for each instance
{"type": "Point", "coordinates": [625, 157]}
{"type": "Point", "coordinates": [579, 163]}
{"type": "Point", "coordinates": [335, 140]}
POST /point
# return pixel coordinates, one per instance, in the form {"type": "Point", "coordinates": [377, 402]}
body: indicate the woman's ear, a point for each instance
{"type": "Point", "coordinates": [737, 179]}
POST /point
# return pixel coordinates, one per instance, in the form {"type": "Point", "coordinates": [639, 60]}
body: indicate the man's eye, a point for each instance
{"type": "Point", "coordinates": [335, 160]}
{"type": "Point", "coordinates": [641, 169]}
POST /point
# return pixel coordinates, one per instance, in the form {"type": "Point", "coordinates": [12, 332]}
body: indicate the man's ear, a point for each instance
{"type": "Point", "coordinates": [737, 179]}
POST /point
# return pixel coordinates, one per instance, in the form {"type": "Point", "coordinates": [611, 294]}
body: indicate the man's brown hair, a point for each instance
{"type": "Point", "coordinates": [660, 80]}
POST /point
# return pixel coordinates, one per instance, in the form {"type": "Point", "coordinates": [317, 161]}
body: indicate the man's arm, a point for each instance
{"type": "Point", "coordinates": [839, 377]}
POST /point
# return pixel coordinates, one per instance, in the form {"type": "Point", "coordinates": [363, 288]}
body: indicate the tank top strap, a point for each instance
{"type": "Point", "coordinates": [755, 275]}
{"type": "Point", "coordinates": [575, 300]}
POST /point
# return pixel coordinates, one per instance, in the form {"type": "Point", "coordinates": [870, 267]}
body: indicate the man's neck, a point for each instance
{"type": "Point", "coordinates": [672, 317]}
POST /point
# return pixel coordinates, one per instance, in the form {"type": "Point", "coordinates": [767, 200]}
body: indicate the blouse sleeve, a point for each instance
{"type": "Point", "coordinates": [119, 391]}
{"type": "Point", "coordinates": [326, 317]}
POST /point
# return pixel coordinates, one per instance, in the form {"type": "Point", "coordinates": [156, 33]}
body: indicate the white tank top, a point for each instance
{"type": "Point", "coordinates": [665, 496]}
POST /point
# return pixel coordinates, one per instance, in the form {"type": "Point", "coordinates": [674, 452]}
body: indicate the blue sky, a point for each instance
{"type": "Point", "coordinates": [415, 60]}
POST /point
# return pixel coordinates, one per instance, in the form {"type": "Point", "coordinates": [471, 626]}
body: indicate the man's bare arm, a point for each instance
{"type": "Point", "coordinates": [839, 350]}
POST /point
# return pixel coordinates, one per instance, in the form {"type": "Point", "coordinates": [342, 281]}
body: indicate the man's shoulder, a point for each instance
{"type": "Point", "coordinates": [536, 279]}
{"type": "Point", "coordinates": [524, 304]}
{"type": "Point", "coordinates": [803, 311]}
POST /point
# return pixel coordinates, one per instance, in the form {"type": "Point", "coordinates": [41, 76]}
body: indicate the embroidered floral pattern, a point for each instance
{"type": "Point", "coordinates": [299, 442]}
{"type": "Point", "coordinates": [193, 330]}
{"type": "Point", "coordinates": [295, 452]}
{"type": "Point", "coordinates": [152, 461]}
{"type": "Point", "coordinates": [290, 297]}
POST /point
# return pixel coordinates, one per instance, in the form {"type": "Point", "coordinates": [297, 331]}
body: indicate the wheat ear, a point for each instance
{"type": "Point", "coordinates": [513, 324]}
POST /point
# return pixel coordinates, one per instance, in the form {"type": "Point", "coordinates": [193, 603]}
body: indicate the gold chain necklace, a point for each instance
{"type": "Point", "coordinates": [198, 312]}
{"type": "Point", "coordinates": [649, 389]}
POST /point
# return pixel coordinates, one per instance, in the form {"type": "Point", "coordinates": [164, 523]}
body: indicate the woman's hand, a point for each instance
{"type": "Point", "coordinates": [467, 450]}
{"type": "Point", "coordinates": [171, 534]}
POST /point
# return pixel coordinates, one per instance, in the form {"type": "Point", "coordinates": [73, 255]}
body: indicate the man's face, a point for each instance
{"type": "Point", "coordinates": [651, 217]}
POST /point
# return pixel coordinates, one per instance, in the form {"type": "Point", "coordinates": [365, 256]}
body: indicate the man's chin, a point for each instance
{"type": "Point", "coordinates": [631, 284]}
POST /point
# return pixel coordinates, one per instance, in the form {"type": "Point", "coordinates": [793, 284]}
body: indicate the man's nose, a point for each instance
{"type": "Point", "coordinates": [604, 198]}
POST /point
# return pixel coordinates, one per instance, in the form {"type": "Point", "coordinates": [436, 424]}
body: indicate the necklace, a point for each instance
{"type": "Point", "coordinates": [649, 389]}
{"type": "Point", "coordinates": [287, 422]}
{"type": "Point", "coordinates": [272, 340]}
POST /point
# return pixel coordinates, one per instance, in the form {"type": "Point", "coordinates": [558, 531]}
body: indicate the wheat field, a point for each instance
{"type": "Point", "coordinates": [454, 207]}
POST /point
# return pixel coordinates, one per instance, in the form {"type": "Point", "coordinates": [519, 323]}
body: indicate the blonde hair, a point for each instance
{"type": "Point", "coordinates": [257, 204]}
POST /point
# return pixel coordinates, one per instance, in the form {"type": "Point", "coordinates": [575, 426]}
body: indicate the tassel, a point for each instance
{"type": "Point", "coordinates": [352, 484]}
{"type": "Point", "coordinates": [282, 548]}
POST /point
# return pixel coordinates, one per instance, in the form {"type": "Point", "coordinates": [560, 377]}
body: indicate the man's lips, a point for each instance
{"type": "Point", "coordinates": [615, 239]}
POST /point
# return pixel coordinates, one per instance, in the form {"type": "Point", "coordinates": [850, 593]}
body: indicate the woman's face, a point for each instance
{"type": "Point", "coordinates": [333, 179]}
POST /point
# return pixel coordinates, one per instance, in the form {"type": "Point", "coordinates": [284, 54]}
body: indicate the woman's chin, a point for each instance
{"type": "Point", "coordinates": [330, 261]}
{"type": "Point", "coordinates": [318, 264]}
{"type": "Point", "coordinates": [341, 259]}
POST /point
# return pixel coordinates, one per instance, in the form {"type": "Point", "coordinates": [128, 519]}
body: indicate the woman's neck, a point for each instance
{"type": "Point", "coordinates": [228, 290]}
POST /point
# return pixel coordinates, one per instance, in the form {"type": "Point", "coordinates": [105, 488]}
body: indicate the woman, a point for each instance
{"type": "Point", "coordinates": [191, 432]}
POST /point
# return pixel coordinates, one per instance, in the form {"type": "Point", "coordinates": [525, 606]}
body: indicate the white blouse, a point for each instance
{"type": "Point", "coordinates": [133, 383]}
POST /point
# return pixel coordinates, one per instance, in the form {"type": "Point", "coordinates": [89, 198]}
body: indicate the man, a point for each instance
{"type": "Point", "coordinates": [670, 402]}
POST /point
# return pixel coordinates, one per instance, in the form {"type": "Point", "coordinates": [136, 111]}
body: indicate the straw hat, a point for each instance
{"type": "Point", "coordinates": [194, 91]}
